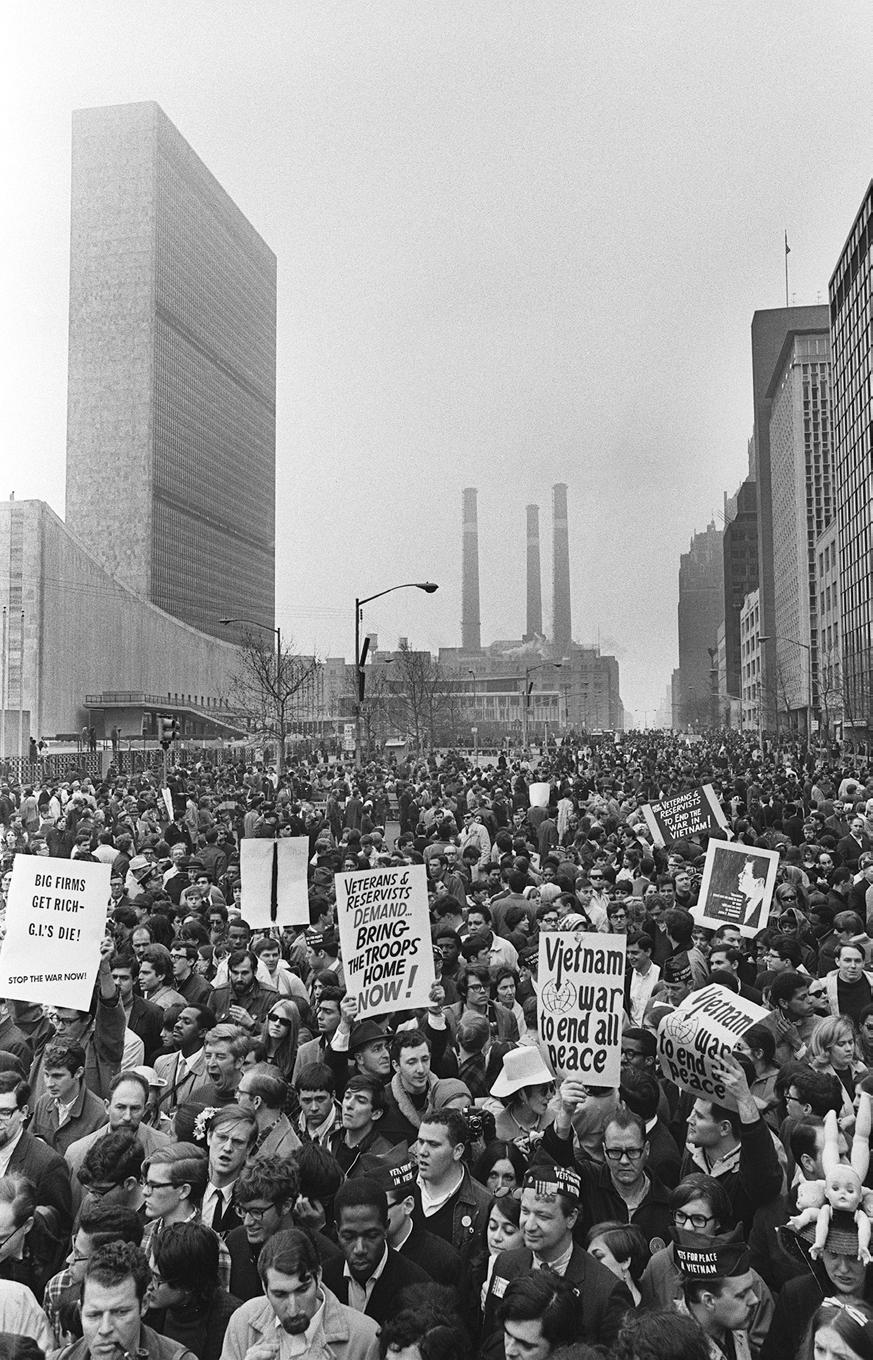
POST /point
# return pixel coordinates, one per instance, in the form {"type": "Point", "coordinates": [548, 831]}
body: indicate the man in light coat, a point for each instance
{"type": "Point", "coordinates": [297, 1302]}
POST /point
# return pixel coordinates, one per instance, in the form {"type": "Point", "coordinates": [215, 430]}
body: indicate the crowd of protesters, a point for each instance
{"type": "Point", "coordinates": [220, 1159]}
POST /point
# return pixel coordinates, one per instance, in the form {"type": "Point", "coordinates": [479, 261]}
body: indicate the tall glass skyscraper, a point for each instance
{"type": "Point", "coordinates": [171, 424]}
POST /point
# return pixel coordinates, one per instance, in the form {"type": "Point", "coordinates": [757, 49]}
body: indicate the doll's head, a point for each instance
{"type": "Point", "coordinates": [843, 1188]}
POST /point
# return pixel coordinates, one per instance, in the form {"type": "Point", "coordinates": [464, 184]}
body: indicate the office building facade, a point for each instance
{"type": "Point", "coordinates": [740, 546]}
{"type": "Point", "coordinates": [769, 330]}
{"type": "Point", "coordinates": [802, 507]}
{"type": "Point", "coordinates": [171, 438]}
{"type": "Point", "coordinates": [850, 321]}
{"type": "Point", "coordinates": [701, 610]}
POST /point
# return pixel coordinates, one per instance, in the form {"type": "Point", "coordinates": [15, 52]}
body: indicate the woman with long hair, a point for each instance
{"type": "Point", "coordinates": [500, 1168]}
{"type": "Point", "coordinates": [279, 1035]}
{"type": "Point", "coordinates": [186, 1302]}
{"type": "Point", "coordinates": [623, 1249]}
{"type": "Point", "coordinates": [842, 1329]}
{"type": "Point", "coordinates": [499, 1230]}
{"type": "Point", "coordinates": [833, 1048]}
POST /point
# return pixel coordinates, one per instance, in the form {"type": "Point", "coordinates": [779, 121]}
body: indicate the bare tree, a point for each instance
{"type": "Point", "coordinates": [269, 691]}
{"type": "Point", "coordinates": [830, 690]}
{"type": "Point", "coordinates": [423, 699]}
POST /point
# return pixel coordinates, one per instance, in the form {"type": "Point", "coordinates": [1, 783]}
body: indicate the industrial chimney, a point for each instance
{"type": "Point", "coordinates": [562, 629]}
{"type": "Point", "coordinates": [534, 582]}
{"type": "Point", "coordinates": [471, 640]}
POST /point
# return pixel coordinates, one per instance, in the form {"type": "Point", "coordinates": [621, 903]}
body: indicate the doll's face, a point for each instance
{"type": "Point", "coordinates": [844, 1189]}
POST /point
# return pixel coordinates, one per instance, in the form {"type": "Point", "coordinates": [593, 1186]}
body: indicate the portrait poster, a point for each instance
{"type": "Point", "coordinates": [737, 887]}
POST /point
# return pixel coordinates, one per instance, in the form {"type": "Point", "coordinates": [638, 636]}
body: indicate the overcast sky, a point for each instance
{"type": "Point", "coordinates": [518, 243]}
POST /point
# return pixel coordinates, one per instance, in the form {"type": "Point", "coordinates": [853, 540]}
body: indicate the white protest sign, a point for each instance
{"type": "Point", "coordinates": [55, 921]}
{"type": "Point", "coordinates": [581, 992]}
{"type": "Point", "coordinates": [674, 819]}
{"type": "Point", "coordinates": [539, 795]}
{"type": "Point", "coordinates": [706, 1025]}
{"type": "Point", "coordinates": [737, 887]}
{"type": "Point", "coordinates": [168, 802]}
{"type": "Point", "coordinates": [384, 929]}
{"type": "Point", "coordinates": [273, 877]}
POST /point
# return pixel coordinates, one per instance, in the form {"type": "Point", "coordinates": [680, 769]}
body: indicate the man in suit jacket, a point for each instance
{"type": "Point", "coordinates": [550, 1206]}
{"type": "Point", "coordinates": [21, 1152]}
{"type": "Point", "coordinates": [851, 847]}
{"type": "Point", "coordinates": [373, 1274]}
{"type": "Point", "coordinates": [185, 1070]}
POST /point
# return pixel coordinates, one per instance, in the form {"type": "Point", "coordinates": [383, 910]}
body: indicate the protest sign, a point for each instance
{"type": "Point", "coordinates": [539, 795]}
{"type": "Point", "coordinates": [581, 992]}
{"type": "Point", "coordinates": [704, 1026]}
{"type": "Point", "coordinates": [384, 929]}
{"type": "Point", "coordinates": [55, 920]}
{"type": "Point", "coordinates": [273, 876]}
{"type": "Point", "coordinates": [675, 818]}
{"type": "Point", "coordinates": [737, 887]}
{"type": "Point", "coordinates": [168, 802]}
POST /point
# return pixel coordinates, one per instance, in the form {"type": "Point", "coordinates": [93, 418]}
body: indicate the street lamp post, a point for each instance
{"type": "Point", "coordinates": [280, 735]}
{"type": "Point", "coordinates": [807, 647]}
{"type": "Point", "coordinates": [428, 587]}
{"type": "Point", "coordinates": [531, 670]}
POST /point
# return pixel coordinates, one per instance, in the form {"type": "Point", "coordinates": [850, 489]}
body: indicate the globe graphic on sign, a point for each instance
{"type": "Point", "coordinates": [559, 999]}
{"type": "Point", "coordinates": [679, 1027]}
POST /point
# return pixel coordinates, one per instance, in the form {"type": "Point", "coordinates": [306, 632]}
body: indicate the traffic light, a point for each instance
{"type": "Point", "coordinates": [362, 674]}
{"type": "Point", "coordinates": [168, 730]}
{"type": "Point", "coordinates": [176, 730]}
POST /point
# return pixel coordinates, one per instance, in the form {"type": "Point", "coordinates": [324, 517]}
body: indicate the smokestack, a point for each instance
{"type": "Point", "coordinates": [534, 583]}
{"type": "Point", "coordinates": [471, 640]}
{"type": "Point", "coordinates": [562, 628]}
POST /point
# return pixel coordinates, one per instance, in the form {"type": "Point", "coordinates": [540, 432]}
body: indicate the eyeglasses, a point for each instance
{"type": "Point", "coordinates": [618, 1154]}
{"type": "Point", "coordinates": [475, 987]}
{"type": "Point", "coordinates": [148, 1186]}
{"type": "Point", "coordinates": [253, 1212]}
{"type": "Point", "coordinates": [283, 1019]}
{"type": "Point", "coordinates": [696, 1221]}
{"type": "Point", "coordinates": [100, 1191]}
{"type": "Point", "coordinates": [6, 1115]}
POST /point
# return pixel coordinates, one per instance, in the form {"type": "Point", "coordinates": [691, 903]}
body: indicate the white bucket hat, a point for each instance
{"type": "Point", "coordinates": [521, 1067]}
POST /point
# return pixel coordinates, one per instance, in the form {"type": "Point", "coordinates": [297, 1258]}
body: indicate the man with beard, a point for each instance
{"type": "Point", "coordinates": [245, 1001]}
{"type": "Point", "coordinates": [299, 1305]}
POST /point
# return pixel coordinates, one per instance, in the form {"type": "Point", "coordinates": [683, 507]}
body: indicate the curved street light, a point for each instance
{"type": "Point", "coordinates": [531, 670]}
{"type": "Point", "coordinates": [360, 657]}
{"type": "Point", "coordinates": [807, 647]}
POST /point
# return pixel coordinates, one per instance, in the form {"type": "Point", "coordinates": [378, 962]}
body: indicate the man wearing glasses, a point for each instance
{"type": "Point", "coordinates": [622, 1188]}
{"type": "Point", "coordinates": [21, 1152]}
{"type": "Point", "coordinates": [99, 1223]}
